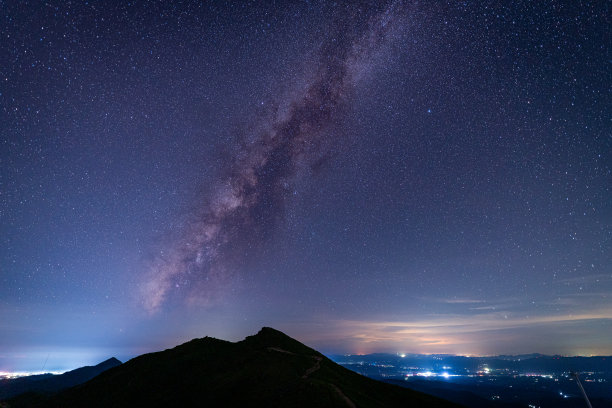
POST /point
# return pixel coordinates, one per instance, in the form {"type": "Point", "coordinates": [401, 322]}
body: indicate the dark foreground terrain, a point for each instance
{"type": "Point", "coordinates": [268, 369]}
{"type": "Point", "coordinates": [506, 393]}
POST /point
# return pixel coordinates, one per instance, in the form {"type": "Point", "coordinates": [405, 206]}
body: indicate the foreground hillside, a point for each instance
{"type": "Point", "coordinates": [269, 369]}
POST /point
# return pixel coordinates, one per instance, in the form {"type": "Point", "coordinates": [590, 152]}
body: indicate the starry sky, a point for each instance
{"type": "Point", "coordinates": [425, 177]}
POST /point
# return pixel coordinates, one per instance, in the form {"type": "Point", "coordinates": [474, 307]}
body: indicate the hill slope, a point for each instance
{"type": "Point", "coordinates": [269, 369]}
{"type": "Point", "coordinates": [49, 383]}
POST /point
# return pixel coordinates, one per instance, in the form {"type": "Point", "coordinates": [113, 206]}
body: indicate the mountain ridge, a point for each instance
{"type": "Point", "coordinates": [267, 369]}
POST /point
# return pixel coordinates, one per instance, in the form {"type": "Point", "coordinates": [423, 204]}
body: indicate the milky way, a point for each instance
{"type": "Point", "coordinates": [250, 201]}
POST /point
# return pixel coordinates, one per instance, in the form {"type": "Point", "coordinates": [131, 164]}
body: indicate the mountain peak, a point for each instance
{"type": "Point", "coordinates": [111, 361]}
{"type": "Point", "coordinates": [268, 338]}
{"type": "Point", "coordinates": [270, 333]}
{"type": "Point", "coordinates": [267, 329]}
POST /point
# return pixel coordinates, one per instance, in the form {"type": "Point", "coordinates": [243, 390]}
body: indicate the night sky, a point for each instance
{"type": "Point", "coordinates": [426, 177]}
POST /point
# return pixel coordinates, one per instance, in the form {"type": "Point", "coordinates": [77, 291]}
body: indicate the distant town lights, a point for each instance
{"type": "Point", "coordinates": [433, 374]}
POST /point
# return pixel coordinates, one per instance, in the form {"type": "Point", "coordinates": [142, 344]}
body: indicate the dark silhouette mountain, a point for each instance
{"type": "Point", "coordinates": [49, 383]}
{"type": "Point", "coordinates": [268, 369]}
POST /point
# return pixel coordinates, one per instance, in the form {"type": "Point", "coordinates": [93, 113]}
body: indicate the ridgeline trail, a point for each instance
{"type": "Point", "coordinates": [313, 369]}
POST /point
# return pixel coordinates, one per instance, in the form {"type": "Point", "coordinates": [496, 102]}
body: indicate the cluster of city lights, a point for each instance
{"type": "Point", "coordinates": [10, 375]}
{"type": "Point", "coordinates": [432, 374]}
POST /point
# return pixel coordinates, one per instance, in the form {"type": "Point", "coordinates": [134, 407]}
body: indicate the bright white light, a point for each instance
{"type": "Point", "coordinates": [17, 374]}
{"type": "Point", "coordinates": [445, 375]}
{"type": "Point", "coordinates": [402, 355]}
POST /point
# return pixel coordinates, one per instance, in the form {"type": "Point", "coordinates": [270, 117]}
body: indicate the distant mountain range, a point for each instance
{"type": "Point", "coordinates": [49, 383]}
{"type": "Point", "coordinates": [534, 363]}
{"type": "Point", "coordinates": [269, 369]}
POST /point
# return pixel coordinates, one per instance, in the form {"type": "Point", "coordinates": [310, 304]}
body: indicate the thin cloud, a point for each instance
{"type": "Point", "coordinates": [456, 333]}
